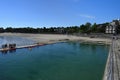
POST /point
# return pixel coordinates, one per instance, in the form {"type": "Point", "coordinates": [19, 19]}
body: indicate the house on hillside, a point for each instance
{"type": "Point", "coordinates": [112, 28]}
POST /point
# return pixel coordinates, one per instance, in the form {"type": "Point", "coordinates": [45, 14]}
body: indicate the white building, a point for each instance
{"type": "Point", "coordinates": [112, 27]}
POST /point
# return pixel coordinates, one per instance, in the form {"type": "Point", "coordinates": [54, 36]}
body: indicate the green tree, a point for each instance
{"type": "Point", "coordinates": [94, 28]}
{"type": "Point", "coordinates": [85, 28]}
{"type": "Point", "coordinates": [82, 28]}
{"type": "Point", "coordinates": [9, 29]}
{"type": "Point", "coordinates": [1, 30]}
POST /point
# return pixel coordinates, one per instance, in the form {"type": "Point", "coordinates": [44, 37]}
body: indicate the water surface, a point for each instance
{"type": "Point", "coordinates": [61, 61]}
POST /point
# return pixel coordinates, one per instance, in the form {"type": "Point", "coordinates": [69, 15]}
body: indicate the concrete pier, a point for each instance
{"type": "Point", "coordinates": [112, 70]}
{"type": "Point", "coordinates": [30, 46]}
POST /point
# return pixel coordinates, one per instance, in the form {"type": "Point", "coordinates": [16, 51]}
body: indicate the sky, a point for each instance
{"type": "Point", "coordinates": [57, 13]}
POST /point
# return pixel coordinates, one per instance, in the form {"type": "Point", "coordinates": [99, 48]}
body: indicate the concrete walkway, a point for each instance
{"type": "Point", "coordinates": [112, 70]}
{"type": "Point", "coordinates": [116, 68]}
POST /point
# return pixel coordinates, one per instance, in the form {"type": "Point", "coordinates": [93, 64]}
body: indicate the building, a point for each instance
{"type": "Point", "coordinates": [112, 27]}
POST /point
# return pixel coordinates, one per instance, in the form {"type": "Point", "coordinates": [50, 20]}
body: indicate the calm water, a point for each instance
{"type": "Point", "coordinates": [61, 61]}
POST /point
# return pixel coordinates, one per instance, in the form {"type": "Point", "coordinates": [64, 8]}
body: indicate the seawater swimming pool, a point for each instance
{"type": "Point", "coordinates": [60, 61]}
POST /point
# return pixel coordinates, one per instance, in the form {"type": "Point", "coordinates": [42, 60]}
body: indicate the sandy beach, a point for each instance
{"type": "Point", "coordinates": [53, 38]}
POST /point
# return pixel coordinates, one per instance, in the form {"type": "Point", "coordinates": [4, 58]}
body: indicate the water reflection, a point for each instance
{"type": "Point", "coordinates": [4, 52]}
{"type": "Point", "coordinates": [8, 51]}
{"type": "Point", "coordinates": [12, 51]}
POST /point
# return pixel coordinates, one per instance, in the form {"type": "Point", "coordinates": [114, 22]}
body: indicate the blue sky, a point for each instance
{"type": "Point", "coordinates": [56, 13]}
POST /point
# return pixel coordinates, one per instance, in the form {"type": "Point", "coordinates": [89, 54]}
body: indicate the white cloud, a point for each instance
{"type": "Point", "coordinates": [87, 16]}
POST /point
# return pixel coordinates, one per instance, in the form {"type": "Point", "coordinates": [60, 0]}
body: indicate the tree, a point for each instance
{"type": "Point", "coordinates": [85, 28]}
{"type": "Point", "coordinates": [9, 29]}
{"type": "Point", "coordinates": [82, 28]}
{"type": "Point", "coordinates": [1, 30]}
{"type": "Point", "coordinates": [94, 28]}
